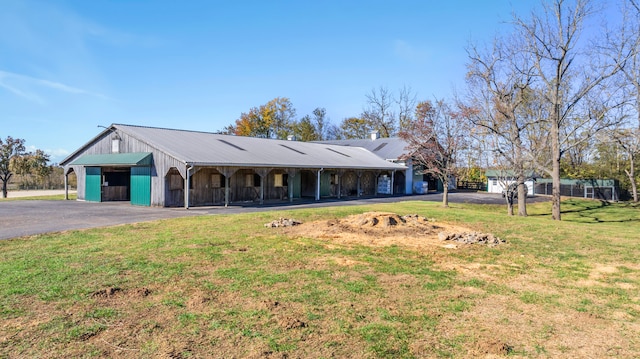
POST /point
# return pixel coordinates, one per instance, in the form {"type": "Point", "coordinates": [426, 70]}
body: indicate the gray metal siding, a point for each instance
{"type": "Point", "coordinates": [162, 163]}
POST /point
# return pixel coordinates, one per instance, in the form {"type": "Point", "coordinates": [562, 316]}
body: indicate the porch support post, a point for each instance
{"type": "Point", "coordinates": [189, 168]}
{"type": "Point", "coordinates": [375, 189]}
{"type": "Point", "coordinates": [392, 180]}
{"type": "Point", "coordinates": [358, 189]}
{"type": "Point", "coordinates": [227, 172]}
{"type": "Point", "coordinates": [291, 172]}
{"type": "Point", "coordinates": [66, 185]}
{"type": "Point", "coordinates": [318, 184]}
{"type": "Point", "coordinates": [227, 183]}
{"type": "Point", "coordinates": [262, 172]}
{"type": "Point", "coordinates": [340, 173]}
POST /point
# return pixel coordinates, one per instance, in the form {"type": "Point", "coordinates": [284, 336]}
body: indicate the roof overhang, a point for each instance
{"type": "Point", "coordinates": [115, 159]}
{"type": "Point", "coordinates": [392, 167]}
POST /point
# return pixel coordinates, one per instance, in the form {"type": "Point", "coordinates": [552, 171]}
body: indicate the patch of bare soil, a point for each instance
{"type": "Point", "coordinates": [386, 229]}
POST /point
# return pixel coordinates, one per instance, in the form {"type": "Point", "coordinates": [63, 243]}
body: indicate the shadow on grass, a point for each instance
{"type": "Point", "coordinates": [589, 211]}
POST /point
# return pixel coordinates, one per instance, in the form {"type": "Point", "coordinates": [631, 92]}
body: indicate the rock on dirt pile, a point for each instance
{"type": "Point", "coordinates": [471, 238]}
{"type": "Point", "coordinates": [382, 219]}
{"type": "Point", "coordinates": [282, 222]}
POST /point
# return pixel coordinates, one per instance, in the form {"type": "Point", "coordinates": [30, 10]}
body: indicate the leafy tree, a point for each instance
{"type": "Point", "coordinates": [312, 128]}
{"type": "Point", "coordinates": [271, 120]}
{"type": "Point", "coordinates": [304, 130]}
{"type": "Point", "coordinates": [354, 127]}
{"type": "Point", "coordinates": [32, 165]}
{"type": "Point", "coordinates": [320, 123]}
{"type": "Point", "coordinates": [10, 149]}
{"type": "Point", "coordinates": [434, 139]}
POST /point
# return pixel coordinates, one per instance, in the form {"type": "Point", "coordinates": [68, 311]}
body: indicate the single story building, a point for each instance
{"type": "Point", "coordinates": [163, 167]}
{"type": "Point", "coordinates": [394, 149]}
{"type": "Point", "coordinates": [602, 189]}
{"type": "Point", "coordinates": [499, 180]}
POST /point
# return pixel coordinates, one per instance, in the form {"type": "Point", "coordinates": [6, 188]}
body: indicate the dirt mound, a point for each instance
{"type": "Point", "coordinates": [106, 293]}
{"type": "Point", "coordinates": [382, 219]}
{"type": "Point", "coordinates": [386, 228]}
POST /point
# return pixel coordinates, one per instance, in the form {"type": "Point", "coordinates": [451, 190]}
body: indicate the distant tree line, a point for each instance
{"type": "Point", "coordinates": [384, 112]}
{"type": "Point", "coordinates": [29, 170]}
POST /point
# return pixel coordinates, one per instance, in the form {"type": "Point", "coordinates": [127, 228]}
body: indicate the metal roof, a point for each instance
{"type": "Point", "coordinates": [115, 159]}
{"type": "Point", "coordinates": [210, 149]}
{"type": "Point", "coordinates": [388, 148]}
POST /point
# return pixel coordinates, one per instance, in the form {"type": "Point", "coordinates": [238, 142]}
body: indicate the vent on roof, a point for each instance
{"type": "Point", "coordinates": [232, 145]}
{"type": "Point", "coordinates": [338, 152]}
{"type": "Point", "coordinates": [379, 147]}
{"type": "Point", "coordinates": [293, 149]}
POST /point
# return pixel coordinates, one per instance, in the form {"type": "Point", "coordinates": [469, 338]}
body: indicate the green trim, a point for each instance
{"type": "Point", "coordinates": [93, 181]}
{"type": "Point", "coordinates": [115, 159]}
{"type": "Point", "coordinates": [141, 186]}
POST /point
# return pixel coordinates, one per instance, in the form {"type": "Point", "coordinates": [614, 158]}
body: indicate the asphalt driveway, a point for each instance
{"type": "Point", "coordinates": [30, 217]}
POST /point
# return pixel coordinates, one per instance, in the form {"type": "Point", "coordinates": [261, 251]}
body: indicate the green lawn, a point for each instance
{"type": "Point", "coordinates": [223, 286]}
{"type": "Point", "coordinates": [56, 197]}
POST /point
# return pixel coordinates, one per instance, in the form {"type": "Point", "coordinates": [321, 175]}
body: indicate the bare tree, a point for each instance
{"type": "Point", "coordinates": [406, 102]}
{"type": "Point", "coordinates": [379, 114]}
{"type": "Point", "coordinates": [628, 140]}
{"type": "Point", "coordinates": [626, 41]}
{"type": "Point", "coordinates": [434, 139]}
{"type": "Point", "coordinates": [501, 103]}
{"type": "Point", "coordinates": [571, 79]}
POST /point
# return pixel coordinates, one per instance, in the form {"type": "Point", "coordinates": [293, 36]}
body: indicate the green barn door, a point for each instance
{"type": "Point", "coordinates": [93, 180]}
{"type": "Point", "coordinates": [141, 186]}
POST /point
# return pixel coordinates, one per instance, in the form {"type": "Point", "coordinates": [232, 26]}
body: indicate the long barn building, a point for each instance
{"type": "Point", "coordinates": [173, 168]}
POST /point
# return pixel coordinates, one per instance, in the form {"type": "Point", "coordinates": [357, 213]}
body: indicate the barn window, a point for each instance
{"type": "Point", "coordinates": [281, 180]}
{"type": "Point", "coordinates": [217, 181]}
{"type": "Point", "coordinates": [252, 180]}
{"type": "Point", "coordinates": [115, 145]}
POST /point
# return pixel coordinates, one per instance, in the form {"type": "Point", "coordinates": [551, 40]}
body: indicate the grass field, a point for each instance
{"type": "Point", "coordinates": [226, 286]}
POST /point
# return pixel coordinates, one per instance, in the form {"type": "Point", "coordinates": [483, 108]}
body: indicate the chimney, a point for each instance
{"type": "Point", "coordinates": [291, 138]}
{"type": "Point", "coordinates": [375, 135]}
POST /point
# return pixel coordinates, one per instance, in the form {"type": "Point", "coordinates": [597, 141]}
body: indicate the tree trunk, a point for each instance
{"type": "Point", "coordinates": [445, 194]}
{"type": "Point", "coordinates": [509, 197]}
{"type": "Point", "coordinates": [4, 189]}
{"type": "Point", "coordinates": [631, 173]}
{"type": "Point", "coordinates": [522, 197]}
{"type": "Point", "coordinates": [555, 171]}
{"type": "Point", "coordinates": [555, 191]}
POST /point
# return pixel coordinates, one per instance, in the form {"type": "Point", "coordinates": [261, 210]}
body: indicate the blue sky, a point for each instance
{"type": "Point", "coordinates": [68, 66]}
